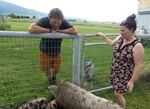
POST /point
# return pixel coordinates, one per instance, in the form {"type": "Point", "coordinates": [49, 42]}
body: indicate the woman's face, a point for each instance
{"type": "Point", "coordinates": [125, 32]}
{"type": "Point", "coordinates": [55, 23]}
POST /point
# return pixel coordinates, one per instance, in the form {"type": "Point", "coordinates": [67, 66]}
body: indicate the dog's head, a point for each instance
{"type": "Point", "coordinates": [88, 65]}
{"type": "Point", "coordinates": [52, 105]}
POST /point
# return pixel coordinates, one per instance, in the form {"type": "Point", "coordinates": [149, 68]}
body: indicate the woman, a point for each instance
{"type": "Point", "coordinates": [128, 54]}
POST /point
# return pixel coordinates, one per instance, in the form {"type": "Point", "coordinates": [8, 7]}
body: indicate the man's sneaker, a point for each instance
{"type": "Point", "coordinates": [52, 81]}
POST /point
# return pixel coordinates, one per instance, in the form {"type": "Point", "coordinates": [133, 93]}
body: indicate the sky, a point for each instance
{"type": "Point", "coordinates": [93, 10]}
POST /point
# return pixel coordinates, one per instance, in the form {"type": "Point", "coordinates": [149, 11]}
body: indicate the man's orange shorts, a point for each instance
{"type": "Point", "coordinates": [47, 62]}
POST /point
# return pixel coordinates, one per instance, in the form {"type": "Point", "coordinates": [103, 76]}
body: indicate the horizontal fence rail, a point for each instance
{"type": "Point", "coordinates": [117, 34]}
{"type": "Point", "coordinates": [94, 35]}
{"type": "Point", "coordinates": [36, 35]}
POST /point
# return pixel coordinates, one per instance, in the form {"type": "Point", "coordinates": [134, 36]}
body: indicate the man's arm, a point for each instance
{"type": "Point", "coordinates": [34, 28]}
{"type": "Point", "coordinates": [71, 31]}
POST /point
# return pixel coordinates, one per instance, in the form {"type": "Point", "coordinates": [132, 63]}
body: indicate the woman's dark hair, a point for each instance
{"type": "Point", "coordinates": [56, 13]}
{"type": "Point", "coordinates": [130, 22]}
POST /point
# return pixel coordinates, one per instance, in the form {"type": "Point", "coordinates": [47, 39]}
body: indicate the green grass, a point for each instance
{"type": "Point", "coordinates": [86, 29]}
{"type": "Point", "coordinates": [21, 79]}
{"type": "Point", "coordinates": [4, 26]}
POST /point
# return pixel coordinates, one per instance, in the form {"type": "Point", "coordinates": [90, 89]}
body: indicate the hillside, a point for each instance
{"type": "Point", "coordinates": [7, 8]}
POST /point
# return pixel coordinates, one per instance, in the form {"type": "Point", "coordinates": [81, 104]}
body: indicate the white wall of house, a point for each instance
{"type": "Point", "coordinates": [143, 17]}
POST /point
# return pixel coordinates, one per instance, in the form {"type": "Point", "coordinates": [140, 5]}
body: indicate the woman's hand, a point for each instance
{"type": "Point", "coordinates": [102, 35]}
{"type": "Point", "coordinates": [130, 86]}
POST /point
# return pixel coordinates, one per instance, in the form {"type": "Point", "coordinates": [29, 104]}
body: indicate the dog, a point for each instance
{"type": "Point", "coordinates": [88, 72]}
{"type": "Point", "coordinates": [39, 103]}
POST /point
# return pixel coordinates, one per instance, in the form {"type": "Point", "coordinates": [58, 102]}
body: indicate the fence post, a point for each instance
{"type": "Point", "coordinates": [76, 61]}
{"type": "Point", "coordinates": [83, 57]}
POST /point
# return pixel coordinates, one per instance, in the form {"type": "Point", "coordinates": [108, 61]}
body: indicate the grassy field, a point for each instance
{"type": "Point", "coordinates": [21, 79]}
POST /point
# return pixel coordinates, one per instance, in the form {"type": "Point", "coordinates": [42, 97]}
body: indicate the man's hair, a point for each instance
{"type": "Point", "coordinates": [56, 13]}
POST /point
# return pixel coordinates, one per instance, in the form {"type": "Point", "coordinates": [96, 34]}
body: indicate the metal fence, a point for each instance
{"type": "Point", "coordinates": [98, 53]}
{"type": "Point", "coordinates": [21, 78]}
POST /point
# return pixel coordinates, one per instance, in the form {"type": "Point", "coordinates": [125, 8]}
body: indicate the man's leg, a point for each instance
{"type": "Point", "coordinates": [46, 66]}
{"type": "Point", "coordinates": [55, 66]}
{"type": "Point", "coordinates": [50, 65]}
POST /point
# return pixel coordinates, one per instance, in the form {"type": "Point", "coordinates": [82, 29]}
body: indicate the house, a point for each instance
{"type": "Point", "coordinates": [143, 17]}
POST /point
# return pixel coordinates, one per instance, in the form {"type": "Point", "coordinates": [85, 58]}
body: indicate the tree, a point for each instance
{"type": "Point", "coordinates": [12, 15]}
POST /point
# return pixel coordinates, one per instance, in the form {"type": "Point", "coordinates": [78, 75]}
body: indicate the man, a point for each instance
{"type": "Point", "coordinates": [50, 49]}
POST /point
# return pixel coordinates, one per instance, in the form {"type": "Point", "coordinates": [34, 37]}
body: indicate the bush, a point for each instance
{"type": "Point", "coordinates": [5, 27]}
{"type": "Point", "coordinates": [145, 42]}
{"type": "Point", "coordinates": [144, 81]}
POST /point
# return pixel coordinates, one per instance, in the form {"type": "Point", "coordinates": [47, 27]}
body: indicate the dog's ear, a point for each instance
{"type": "Point", "coordinates": [43, 101]}
{"type": "Point", "coordinates": [54, 104]}
{"type": "Point", "coordinates": [90, 64]}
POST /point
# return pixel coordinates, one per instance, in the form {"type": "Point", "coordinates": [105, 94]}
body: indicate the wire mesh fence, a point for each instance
{"type": "Point", "coordinates": [99, 55]}
{"type": "Point", "coordinates": [21, 76]}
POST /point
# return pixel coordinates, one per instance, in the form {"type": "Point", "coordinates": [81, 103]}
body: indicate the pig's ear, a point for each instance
{"type": "Point", "coordinates": [63, 81]}
{"type": "Point", "coordinates": [54, 89]}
